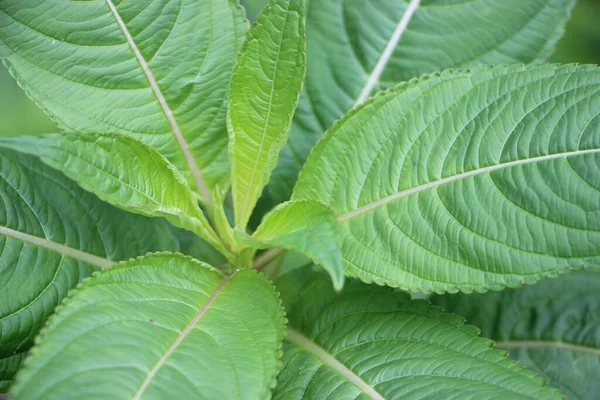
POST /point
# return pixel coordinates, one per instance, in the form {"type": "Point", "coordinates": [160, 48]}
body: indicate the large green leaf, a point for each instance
{"type": "Point", "coordinates": [159, 327]}
{"type": "Point", "coordinates": [157, 70]}
{"type": "Point", "coordinates": [357, 47]}
{"type": "Point", "coordinates": [265, 87]}
{"type": "Point", "coordinates": [374, 343]}
{"type": "Point", "coordinates": [467, 180]}
{"type": "Point", "coordinates": [552, 327]}
{"type": "Point", "coordinates": [308, 227]}
{"type": "Point", "coordinates": [52, 234]}
{"type": "Point", "coordinates": [124, 172]}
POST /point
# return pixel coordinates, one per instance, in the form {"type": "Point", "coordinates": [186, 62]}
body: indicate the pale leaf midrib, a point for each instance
{"type": "Point", "coordinates": [251, 185]}
{"type": "Point", "coordinates": [387, 52]}
{"type": "Point", "coordinates": [163, 360]}
{"type": "Point", "coordinates": [548, 344]}
{"type": "Point", "coordinates": [57, 247]}
{"type": "Point", "coordinates": [330, 361]}
{"type": "Point", "coordinates": [165, 107]}
{"type": "Point", "coordinates": [431, 185]}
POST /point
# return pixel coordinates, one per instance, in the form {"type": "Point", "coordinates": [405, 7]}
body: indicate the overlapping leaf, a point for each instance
{"type": "Point", "coordinates": [265, 86]}
{"type": "Point", "coordinates": [157, 70]}
{"type": "Point", "coordinates": [358, 47]}
{"type": "Point", "coordinates": [125, 173]}
{"type": "Point", "coordinates": [160, 326]}
{"type": "Point", "coordinates": [307, 227]}
{"type": "Point", "coordinates": [552, 327]}
{"type": "Point", "coordinates": [52, 234]}
{"type": "Point", "coordinates": [467, 180]}
{"type": "Point", "coordinates": [374, 343]}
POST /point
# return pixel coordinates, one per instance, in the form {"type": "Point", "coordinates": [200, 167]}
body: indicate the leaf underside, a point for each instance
{"type": "Point", "coordinates": [467, 180]}
{"type": "Point", "coordinates": [108, 66]}
{"type": "Point", "coordinates": [160, 326]}
{"type": "Point", "coordinates": [374, 343]}
{"type": "Point", "coordinates": [72, 228]}
{"type": "Point", "coordinates": [552, 327]}
{"type": "Point", "coordinates": [347, 39]}
{"type": "Point", "coordinates": [307, 227]}
{"type": "Point", "coordinates": [265, 87]}
{"type": "Point", "coordinates": [124, 172]}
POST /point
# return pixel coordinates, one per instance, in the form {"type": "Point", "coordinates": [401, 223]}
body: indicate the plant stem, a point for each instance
{"type": "Point", "coordinates": [266, 257]}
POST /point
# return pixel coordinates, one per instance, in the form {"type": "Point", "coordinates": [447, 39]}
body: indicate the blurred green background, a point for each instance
{"type": "Point", "coordinates": [581, 44]}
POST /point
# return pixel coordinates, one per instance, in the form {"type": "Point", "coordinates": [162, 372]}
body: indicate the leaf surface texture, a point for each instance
{"type": "Point", "coordinates": [53, 234]}
{"type": "Point", "coordinates": [374, 343]}
{"type": "Point", "coordinates": [160, 326]}
{"type": "Point", "coordinates": [467, 180]}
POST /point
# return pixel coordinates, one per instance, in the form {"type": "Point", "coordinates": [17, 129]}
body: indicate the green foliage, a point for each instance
{"type": "Point", "coordinates": [552, 327]}
{"type": "Point", "coordinates": [354, 50]}
{"type": "Point", "coordinates": [175, 119]}
{"type": "Point", "coordinates": [52, 234]}
{"type": "Point", "coordinates": [265, 86]}
{"type": "Point", "coordinates": [178, 317]}
{"type": "Point", "coordinates": [490, 175]}
{"type": "Point", "coordinates": [372, 342]}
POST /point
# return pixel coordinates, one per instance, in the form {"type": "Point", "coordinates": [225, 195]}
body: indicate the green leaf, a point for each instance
{"type": "Point", "coordinates": [124, 172]}
{"type": "Point", "coordinates": [358, 47]}
{"type": "Point", "coordinates": [265, 87]}
{"type": "Point", "coordinates": [552, 327]}
{"type": "Point", "coordinates": [155, 70]}
{"type": "Point", "coordinates": [52, 234]}
{"type": "Point", "coordinates": [374, 343]}
{"type": "Point", "coordinates": [467, 180]}
{"type": "Point", "coordinates": [161, 326]}
{"type": "Point", "coordinates": [308, 227]}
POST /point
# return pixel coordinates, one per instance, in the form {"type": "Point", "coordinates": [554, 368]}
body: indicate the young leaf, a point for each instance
{"type": "Point", "coordinates": [161, 326]}
{"type": "Point", "coordinates": [52, 234]}
{"type": "Point", "coordinates": [358, 47]}
{"type": "Point", "coordinates": [124, 172]}
{"type": "Point", "coordinates": [467, 180]}
{"type": "Point", "coordinates": [157, 70]}
{"type": "Point", "coordinates": [375, 343]}
{"type": "Point", "coordinates": [552, 327]}
{"type": "Point", "coordinates": [264, 90]}
{"type": "Point", "coordinates": [308, 227]}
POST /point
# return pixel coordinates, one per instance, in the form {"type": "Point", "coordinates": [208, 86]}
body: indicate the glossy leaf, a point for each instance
{"type": "Point", "coordinates": [552, 327]}
{"type": "Point", "coordinates": [52, 234]}
{"type": "Point", "coordinates": [307, 227]}
{"type": "Point", "coordinates": [124, 172]}
{"type": "Point", "coordinates": [374, 343]}
{"type": "Point", "coordinates": [156, 70]}
{"type": "Point", "coordinates": [467, 180]}
{"type": "Point", "coordinates": [161, 326]}
{"type": "Point", "coordinates": [265, 86]}
{"type": "Point", "coordinates": [357, 47]}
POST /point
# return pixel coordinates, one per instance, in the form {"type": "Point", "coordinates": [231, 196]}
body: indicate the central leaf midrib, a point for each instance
{"type": "Point", "coordinates": [330, 361]}
{"type": "Point", "coordinates": [179, 339]}
{"type": "Point", "coordinates": [434, 184]}
{"type": "Point", "coordinates": [57, 247]}
{"type": "Point", "coordinates": [387, 52]}
{"type": "Point", "coordinates": [268, 117]}
{"type": "Point", "coordinates": [183, 146]}
{"type": "Point", "coordinates": [548, 344]}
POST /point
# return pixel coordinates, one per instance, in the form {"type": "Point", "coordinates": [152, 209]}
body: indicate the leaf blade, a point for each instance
{"type": "Point", "coordinates": [550, 327]}
{"type": "Point", "coordinates": [375, 343]}
{"type": "Point", "coordinates": [181, 307]}
{"type": "Point", "coordinates": [130, 84]}
{"type": "Point", "coordinates": [275, 49]}
{"type": "Point", "coordinates": [125, 173]}
{"type": "Point", "coordinates": [346, 41]}
{"type": "Point", "coordinates": [307, 227]}
{"type": "Point", "coordinates": [53, 234]}
{"type": "Point", "coordinates": [474, 182]}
